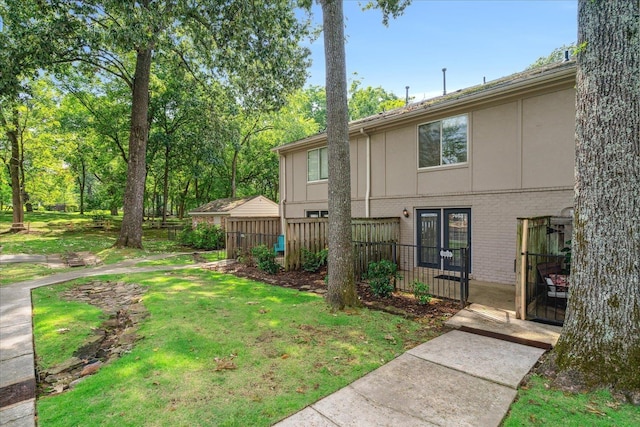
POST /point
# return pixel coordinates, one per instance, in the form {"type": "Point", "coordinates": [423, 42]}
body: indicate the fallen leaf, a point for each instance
{"type": "Point", "coordinates": [224, 364]}
{"type": "Point", "coordinates": [63, 330]}
{"type": "Point", "coordinates": [252, 303]}
{"type": "Point", "coordinates": [594, 410]}
{"type": "Point", "coordinates": [300, 390]}
{"type": "Point", "coordinates": [284, 356]}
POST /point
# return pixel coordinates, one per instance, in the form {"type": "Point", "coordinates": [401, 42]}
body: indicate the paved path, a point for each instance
{"type": "Point", "coordinates": [457, 379]}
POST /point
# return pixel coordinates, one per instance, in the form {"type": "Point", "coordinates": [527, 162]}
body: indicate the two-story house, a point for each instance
{"type": "Point", "coordinates": [458, 169]}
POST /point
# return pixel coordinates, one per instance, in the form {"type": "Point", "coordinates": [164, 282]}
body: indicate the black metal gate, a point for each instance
{"type": "Point", "coordinates": [547, 288]}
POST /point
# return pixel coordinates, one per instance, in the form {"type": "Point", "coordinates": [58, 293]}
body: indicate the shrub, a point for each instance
{"type": "Point", "coordinates": [421, 292]}
{"type": "Point", "coordinates": [382, 276]}
{"type": "Point", "coordinates": [244, 257]}
{"type": "Point", "coordinates": [265, 259]}
{"type": "Point", "coordinates": [204, 236]}
{"type": "Point", "coordinates": [312, 261]}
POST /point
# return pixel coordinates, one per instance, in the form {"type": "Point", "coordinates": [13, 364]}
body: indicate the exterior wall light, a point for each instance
{"type": "Point", "coordinates": [405, 212]}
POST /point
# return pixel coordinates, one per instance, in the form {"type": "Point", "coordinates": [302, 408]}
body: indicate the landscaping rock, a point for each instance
{"type": "Point", "coordinates": [91, 369]}
{"type": "Point", "coordinates": [115, 336]}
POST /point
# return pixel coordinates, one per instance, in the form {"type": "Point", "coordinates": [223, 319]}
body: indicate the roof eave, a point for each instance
{"type": "Point", "coordinates": [547, 79]}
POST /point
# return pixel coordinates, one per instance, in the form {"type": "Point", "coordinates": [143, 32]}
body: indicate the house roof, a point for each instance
{"type": "Point", "coordinates": [532, 79]}
{"type": "Point", "coordinates": [222, 206]}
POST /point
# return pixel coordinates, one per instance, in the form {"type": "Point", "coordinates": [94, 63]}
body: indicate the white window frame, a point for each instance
{"type": "Point", "coordinates": [318, 176]}
{"type": "Point", "coordinates": [441, 164]}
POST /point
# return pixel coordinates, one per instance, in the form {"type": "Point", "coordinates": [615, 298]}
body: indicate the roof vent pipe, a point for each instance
{"type": "Point", "coordinates": [406, 96]}
{"type": "Point", "coordinates": [566, 55]}
{"type": "Point", "coordinates": [444, 81]}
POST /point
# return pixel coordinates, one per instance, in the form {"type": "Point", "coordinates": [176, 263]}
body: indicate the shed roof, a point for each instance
{"type": "Point", "coordinates": [222, 205]}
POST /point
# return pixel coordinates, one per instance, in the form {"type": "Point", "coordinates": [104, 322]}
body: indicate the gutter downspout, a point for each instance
{"type": "Point", "coordinates": [367, 195]}
{"type": "Point", "coordinates": [283, 193]}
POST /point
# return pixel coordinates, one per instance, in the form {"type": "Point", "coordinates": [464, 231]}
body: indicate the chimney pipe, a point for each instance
{"type": "Point", "coordinates": [406, 97]}
{"type": "Point", "coordinates": [566, 55]}
{"type": "Point", "coordinates": [444, 81]}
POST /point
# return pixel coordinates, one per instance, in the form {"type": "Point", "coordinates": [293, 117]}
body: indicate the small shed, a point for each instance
{"type": "Point", "coordinates": [217, 211]}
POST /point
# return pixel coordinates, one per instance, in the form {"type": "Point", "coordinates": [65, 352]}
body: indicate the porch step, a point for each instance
{"type": "Point", "coordinates": [502, 324]}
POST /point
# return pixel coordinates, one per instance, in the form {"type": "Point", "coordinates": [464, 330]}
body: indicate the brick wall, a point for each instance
{"type": "Point", "coordinates": [493, 223]}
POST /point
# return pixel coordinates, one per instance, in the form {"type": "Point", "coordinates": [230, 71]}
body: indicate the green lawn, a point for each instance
{"type": "Point", "coordinates": [287, 347]}
{"type": "Point", "coordinates": [539, 405]}
{"type": "Point", "coordinates": [49, 233]}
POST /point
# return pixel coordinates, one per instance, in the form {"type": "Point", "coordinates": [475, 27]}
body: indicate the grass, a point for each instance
{"type": "Point", "coordinates": [62, 326]}
{"type": "Point", "coordinates": [287, 349]}
{"type": "Point", "coordinates": [539, 405]}
{"type": "Point", "coordinates": [18, 272]}
{"type": "Point", "coordinates": [49, 234]}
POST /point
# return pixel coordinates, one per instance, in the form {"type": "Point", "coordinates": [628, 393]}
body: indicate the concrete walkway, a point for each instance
{"type": "Point", "coordinates": [457, 379]}
{"type": "Point", "coordinates": [466, 377]}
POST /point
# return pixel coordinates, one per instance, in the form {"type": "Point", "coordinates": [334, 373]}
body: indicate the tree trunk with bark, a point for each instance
{"type": "Point", "coordinates": [14, 172]}
{"type": "Point", "coordinates": [82, 181]}
{"type": "Point", "coordinates": [133, 206]}
{"type": "Point", "coordinates": [165, 183]}
{"type": "Point", "coordinates": [341, 290]}
{"type": "Point", "coordinates": [601, 334]}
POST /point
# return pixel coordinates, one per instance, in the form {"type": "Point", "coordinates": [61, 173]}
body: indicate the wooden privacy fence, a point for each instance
{"type": "Point", "coordinates": [246, 233]}
{"type": "Point", "coordinates": [311, 234]}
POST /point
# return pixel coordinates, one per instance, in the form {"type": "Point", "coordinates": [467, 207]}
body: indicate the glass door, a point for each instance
{"type": "Point", "coordinates": [440, 230]}
{"type": "Point", "coordinates": [429, 237]}
{"type": "Point", "coordinates": [457, 234]}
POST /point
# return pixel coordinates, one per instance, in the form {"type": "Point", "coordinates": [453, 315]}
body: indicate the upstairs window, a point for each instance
{"type": "Point", "coordinates": [443, 142]}
{"type": "Point", "coordinates": [317, 164]}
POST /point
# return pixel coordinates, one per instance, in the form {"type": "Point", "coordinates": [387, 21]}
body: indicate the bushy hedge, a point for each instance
{"type": "Point", "coordinates": [382, 276]}
{"type": "Point", "coordinates": [265, 259]}
{"type": "Point", "coordinates": [313, 261]}
{"type": "Point", "coordinates": [203, 236]}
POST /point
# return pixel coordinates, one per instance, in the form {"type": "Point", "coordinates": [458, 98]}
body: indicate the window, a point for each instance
{"type": "Point", "coordinates": [317, 214]}
{"type": "Point", "coordinates": [443, 142]}
{"type": "Point", "coordinates": [317, 164]}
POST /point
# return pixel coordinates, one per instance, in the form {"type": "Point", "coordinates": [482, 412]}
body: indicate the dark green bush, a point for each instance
{"type": "Point", "coordinates": [204, 236]}
{"type": "Point", "coordinates": [265, 259]}
{"type": "Point", "coordinates": [313, 261]}
{"type": "Point", "coordinates": [382, 276]}
{"type": "Point", "coordinates": [421, 292]}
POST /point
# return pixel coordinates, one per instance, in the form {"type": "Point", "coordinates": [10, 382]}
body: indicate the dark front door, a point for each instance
{"type": "Point", "coordinates": [457, 234]}
{"type": "Point", "coordinates": [440, 230]}
{"type": "Point", "coordinates": [429, 237]}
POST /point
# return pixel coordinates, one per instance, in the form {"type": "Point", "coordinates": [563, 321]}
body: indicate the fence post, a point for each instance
{"type": "Point", "coordinates": [464, 278]}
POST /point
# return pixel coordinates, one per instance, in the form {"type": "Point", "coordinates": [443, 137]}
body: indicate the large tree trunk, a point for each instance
{"type": "Point", "coordinates": [14, 171]}
{"type": "Point", "coordinates": [82, 181]}
{"type": "Point", "coordinates": [601, 334]}
{"type": "Point", "coordinates": [133, 206]}
{"type": "Point", "coordinates": [165, 182]}
{"type": "Point", "coordinates": [234, 172]}
{"type": "Point", "coordinates": [341, 290]}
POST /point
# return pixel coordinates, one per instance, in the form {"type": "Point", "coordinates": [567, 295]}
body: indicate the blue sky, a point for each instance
{"type": "Point", "coordinates": [471, 38]}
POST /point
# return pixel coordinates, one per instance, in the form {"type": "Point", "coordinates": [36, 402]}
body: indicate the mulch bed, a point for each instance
{"type": "Point", "coordinates": [399, 303]}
